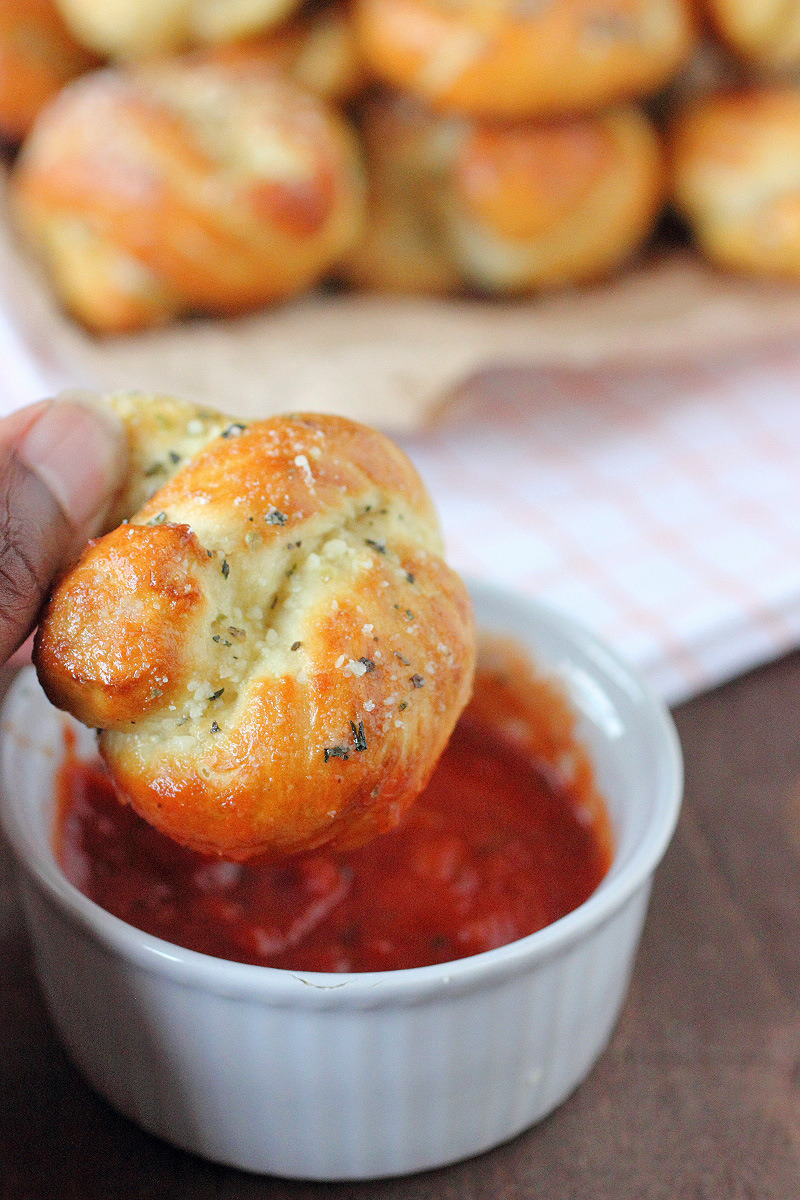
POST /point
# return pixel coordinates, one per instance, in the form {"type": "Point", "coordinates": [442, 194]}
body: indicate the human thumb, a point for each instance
{"type": "Point", "coordinates": [61, 462]}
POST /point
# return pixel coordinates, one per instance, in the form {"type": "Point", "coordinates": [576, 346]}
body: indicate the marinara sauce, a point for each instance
{"type": "Point", "coordinates": [509, 835]}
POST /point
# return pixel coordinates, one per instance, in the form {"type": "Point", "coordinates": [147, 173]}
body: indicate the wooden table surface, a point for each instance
{"type": "Point", "coordinates": [697, 1097]}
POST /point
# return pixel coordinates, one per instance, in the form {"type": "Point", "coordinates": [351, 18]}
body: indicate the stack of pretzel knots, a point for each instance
{"type": "Point", "coordinates": [176, 157]}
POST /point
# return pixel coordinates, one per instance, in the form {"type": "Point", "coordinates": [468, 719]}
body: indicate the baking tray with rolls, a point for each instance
{"type": "Point", "coordinates": [359, 209]}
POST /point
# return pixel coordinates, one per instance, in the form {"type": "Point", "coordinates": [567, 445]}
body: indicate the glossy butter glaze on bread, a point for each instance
{"type": "Point", "coordinates": [273, 648]}
{"type": "Point", "coordinates": [736, 178]}
{"type": "Point", "coordinates": [507, 209]}
{"type": "Point", "coordinates": [523, 58]}
{"type": "Point", "coordinates": [185, 187]}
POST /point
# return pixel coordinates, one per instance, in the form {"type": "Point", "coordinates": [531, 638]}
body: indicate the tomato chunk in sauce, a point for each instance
{"type": "Point", "coordinates": [509, 835]}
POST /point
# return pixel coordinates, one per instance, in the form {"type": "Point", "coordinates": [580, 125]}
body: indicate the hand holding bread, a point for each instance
{"type": "Point", "coordinates": [272, 647]}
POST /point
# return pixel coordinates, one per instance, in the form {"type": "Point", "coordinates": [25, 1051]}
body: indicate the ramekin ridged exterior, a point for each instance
{"type": "Point", "coordinates": [353, 1076]}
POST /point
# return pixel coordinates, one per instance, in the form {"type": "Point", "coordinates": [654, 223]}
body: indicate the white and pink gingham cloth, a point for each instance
{"type": "Point", "coordinates": [660, 508]}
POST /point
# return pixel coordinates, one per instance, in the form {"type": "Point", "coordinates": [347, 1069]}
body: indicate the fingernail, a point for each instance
{"type": "Point", "coordinates": [79, 452]}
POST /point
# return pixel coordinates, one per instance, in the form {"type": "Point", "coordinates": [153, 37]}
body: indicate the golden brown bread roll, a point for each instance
{"type": "Point", "coordinates": [185, 187]}
{"type": "Point", "coordinates": [137, 29]}
{"type": "Point", "coordinates": [736, 179]}
{"type": "Point", "coordinates": [404, 247]}
{"type": "Point", "coordinates": [273, 647]}
{"type": "Point", "coordinates": [319, 51]}
{"type": "Point", "coordinates": [540, 206]}
{"type": "Point", "coordinates": [765, 32]}
{"type": "Point", "coordinates": [524, 60]}
{"type": "Point", "coordinates": [508, 209]}
{"type": "Point", "coordinates": [37, 57]}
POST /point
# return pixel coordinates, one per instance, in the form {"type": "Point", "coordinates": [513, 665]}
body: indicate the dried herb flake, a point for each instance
{"type": "Point", "coordinates": [336, 752]}
{"type": "Point", "coordinates": [225, 568]}
{"type": "Point", "coordinates": [216, 695]}
{"type": "Point", "coordinates": [274, 517]}
{"type": "Point", "coordinates": [359, 737]}
{"type": "Point", "coordinates": [368, 663]}
{"type": "Point", "coordinates": [417, 681]}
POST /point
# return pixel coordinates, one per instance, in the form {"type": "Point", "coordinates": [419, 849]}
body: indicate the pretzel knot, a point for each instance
{"type": "Point", "coordinates": [186, 187]}
{"type": "Point", "coordinates": [273, 649]}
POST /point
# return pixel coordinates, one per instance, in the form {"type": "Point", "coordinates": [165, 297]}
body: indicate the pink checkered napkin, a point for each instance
{"type": "Point", "coordinates": [662, 509]}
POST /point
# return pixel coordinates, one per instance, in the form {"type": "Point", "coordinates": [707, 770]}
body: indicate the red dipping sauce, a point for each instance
{"type": "Point", "coordinates": [509, 835]}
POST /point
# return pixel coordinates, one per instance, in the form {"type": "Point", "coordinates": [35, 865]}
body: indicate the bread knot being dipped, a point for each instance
{"type": "Point", "coordinates": [272, 648]}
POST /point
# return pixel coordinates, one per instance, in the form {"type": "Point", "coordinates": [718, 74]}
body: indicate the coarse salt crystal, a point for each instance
{"type": "Point", "coordinates": [355, 668]}
{"type": "Point", "coordinates": [369, 705]}
{"type": "Point", "coordinates": [302, 462]}
{"type": "Point", "coordinates": [339, 661]}
{"type": "Point", "coordinates": [367, 628]}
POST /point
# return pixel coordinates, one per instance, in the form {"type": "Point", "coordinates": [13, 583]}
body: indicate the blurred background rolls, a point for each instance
{"type": "Point", "coordinates": [319, 50]}
{"type": "Point", "coordinates": [249, 150]}
{"type": "Point", "coordinates": [511, 208]}
{"type": "Point", "coordinates": [183, 187]}
{"type": "Point", "coordinates": [526, 60]}
{"type": "Point", "coordinates": [766, 32]}
{"type": "Point", "coordinates": [736, 179]}
{"type": "Point", "coordinates": [409, 154]}
{"type": "Point", "coordinates": [138, 29]}
{"type": "Point", "coordinates": [539, 206]}
{"type": "Point", "coordinates": [38, 56]}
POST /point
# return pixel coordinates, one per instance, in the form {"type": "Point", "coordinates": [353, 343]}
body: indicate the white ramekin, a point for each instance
{"type": "Point", "coordinates": [353, 1076]}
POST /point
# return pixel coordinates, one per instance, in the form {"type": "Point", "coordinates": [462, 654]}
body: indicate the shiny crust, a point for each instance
{"type": "Point", "coordinates": [508, 209]}
{"type": "Point", "coordinates": [273, 647]}
{"type": "Point", "coordinates": [532, 60]}
{"type": "Point", "coordinates": [319, 52]}
{"type": "Point", "coordinates": [541, 206]}
{"type": "Point", "coordinates": [37, 57]}
{"type": "Point", "coordinates": [766, 32]}
{"type": "Point", "coordinates": [736, 179]}
{"type": "Point", "coordinates": [139, 29]}
{"type": "Point", "coordinates": [184, 187]}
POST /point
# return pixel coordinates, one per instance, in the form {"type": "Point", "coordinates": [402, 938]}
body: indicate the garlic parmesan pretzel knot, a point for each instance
{"type": "Point", "coordinates": [273, 649]}
{"type": "Point", "coordinates": [186, 187]}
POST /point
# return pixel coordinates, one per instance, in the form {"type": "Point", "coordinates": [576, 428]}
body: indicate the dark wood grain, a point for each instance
{"type": "Point", "coordinates": [697, 1097]}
